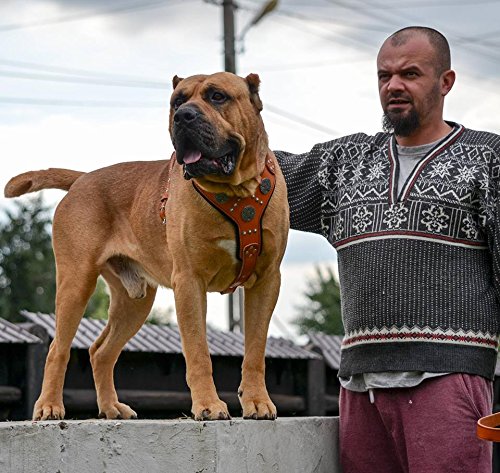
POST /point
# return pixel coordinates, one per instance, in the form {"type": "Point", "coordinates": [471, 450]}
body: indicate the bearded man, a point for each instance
{"type": "Point", "coordinates": [414, 216]}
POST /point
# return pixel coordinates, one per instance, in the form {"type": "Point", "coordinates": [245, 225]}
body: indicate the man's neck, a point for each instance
{"type": "Point", "coordinates": [425, 135]}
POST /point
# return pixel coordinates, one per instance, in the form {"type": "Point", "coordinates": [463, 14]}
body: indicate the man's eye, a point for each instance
{"type": "Point", "coordinates": [218, 97]}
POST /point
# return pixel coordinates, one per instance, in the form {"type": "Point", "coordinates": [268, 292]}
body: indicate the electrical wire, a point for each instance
{"type": "Point", "coordinates": [87, 80]}
{"type": "Point", "coordinates": [493, 57]}
{"type": "Point", "coordinates": [301, 120]}
{"type": "Point", "coordinates": [92, 14]}
{"type": "Point", "coordinates": [309, 65]}
{"type": "Point", "coordinates": [69, 71]}
{"type": "Point", "coordinates": [80, 103]}
{"type": "Point", "coordinates": [428, 4]}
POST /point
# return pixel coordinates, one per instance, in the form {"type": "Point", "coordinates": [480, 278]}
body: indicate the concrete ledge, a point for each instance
{"type": "Point", "coordinates": [287, 445]}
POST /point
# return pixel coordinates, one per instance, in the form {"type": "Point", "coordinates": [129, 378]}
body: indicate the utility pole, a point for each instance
{"type": "Point", "coordinates": [235, 300]}
{"type": "Point", "coordinates": [229, 38]}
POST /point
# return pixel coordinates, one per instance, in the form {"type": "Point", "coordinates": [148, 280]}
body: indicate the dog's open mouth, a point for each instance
{"type": "Point", "coordinates": [200, 163]}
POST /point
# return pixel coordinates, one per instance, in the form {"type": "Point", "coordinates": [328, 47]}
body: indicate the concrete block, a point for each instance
{"type": "Point", "coordinates": [287, 445]}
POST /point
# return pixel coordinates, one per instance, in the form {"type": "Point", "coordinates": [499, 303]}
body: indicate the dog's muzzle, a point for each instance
{"type": "Point", "coordinates": [197, 146]}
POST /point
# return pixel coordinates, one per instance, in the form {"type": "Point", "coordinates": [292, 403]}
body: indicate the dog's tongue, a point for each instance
{"type": "Point", "coordinates": [191, 157]}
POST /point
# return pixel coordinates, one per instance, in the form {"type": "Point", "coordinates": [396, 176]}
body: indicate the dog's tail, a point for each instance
{"type": "Point", "coordinates": [32, 181]}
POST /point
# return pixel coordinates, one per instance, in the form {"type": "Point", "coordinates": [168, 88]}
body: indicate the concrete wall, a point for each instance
{"type": "Point", "coordinates": [287, 445]}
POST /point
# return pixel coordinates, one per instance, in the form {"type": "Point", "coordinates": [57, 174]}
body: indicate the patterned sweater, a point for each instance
{"type": "Point", "coordinates": [420, 269]}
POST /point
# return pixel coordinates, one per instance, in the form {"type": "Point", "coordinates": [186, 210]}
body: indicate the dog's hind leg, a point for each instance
{"type": "Point", "coordinates": [260, 301]}
{"type": "Point", "coordinates": [126, 317]}
{"type": "Point", "coordinates": [75, 285]}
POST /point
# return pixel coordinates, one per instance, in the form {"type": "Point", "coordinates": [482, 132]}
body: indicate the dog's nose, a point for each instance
{"type": "Point", "coordinates": [185, 115]}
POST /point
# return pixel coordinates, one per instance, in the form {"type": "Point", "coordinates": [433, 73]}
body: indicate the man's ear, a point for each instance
{"type": "Point", "coordinates": [447, 81]}
{"type": "Point", "coordinates": [176, 80]}
{"type": "Point", "coordinates": [253, 82]}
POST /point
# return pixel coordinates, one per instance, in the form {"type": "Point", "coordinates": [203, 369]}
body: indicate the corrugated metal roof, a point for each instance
{"type": "Point", "coordinates": [11, 333]}
{"type": "Point", "coordinates": [165, 339]}
{"type": "Point", "coordinates": [329, 345]}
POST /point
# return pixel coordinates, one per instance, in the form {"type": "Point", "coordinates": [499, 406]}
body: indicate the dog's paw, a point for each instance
{"type": "Point", "coordinates": [257, 406]}
{"type": "Point", "coordinates": [48, 411]}
{"type": "Point", "coordinates": [210, 411]}
{"type": "Point", "coordinates": [118, 410]}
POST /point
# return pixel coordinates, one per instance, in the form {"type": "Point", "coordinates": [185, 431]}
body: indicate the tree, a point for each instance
{"type": "Point", "coordinates": [27, 266]}
{"type": "Point", "coordinates": [98, 305]}
{"type": "Point", "coordinates": [322, 313]}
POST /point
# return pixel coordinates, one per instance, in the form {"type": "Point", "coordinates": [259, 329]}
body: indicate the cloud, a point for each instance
{"type": "Point", "coordinates": [125, 17]}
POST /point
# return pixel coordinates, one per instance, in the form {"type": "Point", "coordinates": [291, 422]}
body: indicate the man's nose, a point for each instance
{"type": "Point", "coordinates": [395, 84]}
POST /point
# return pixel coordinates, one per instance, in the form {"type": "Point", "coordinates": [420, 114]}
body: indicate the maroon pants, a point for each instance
{"type": "Point", "coordinates": [430, 428]}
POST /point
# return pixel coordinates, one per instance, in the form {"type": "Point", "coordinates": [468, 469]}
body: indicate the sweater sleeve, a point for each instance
{"type": "Point", "coordinates": [302, 175]}
{"type": "Point", "coordinates": [493, 234]}
{"type": "Point", "coordinates": [493, 223]}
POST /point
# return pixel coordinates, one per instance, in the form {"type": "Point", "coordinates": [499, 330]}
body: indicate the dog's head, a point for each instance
{"type": "Point", "coordinates": [216, 127]}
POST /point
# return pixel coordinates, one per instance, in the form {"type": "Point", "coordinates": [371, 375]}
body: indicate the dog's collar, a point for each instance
{"type": "Point", "coordinates": [246, 214]}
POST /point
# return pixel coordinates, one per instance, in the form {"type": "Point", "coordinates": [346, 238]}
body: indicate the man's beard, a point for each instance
{"type": "Point", "coordinates": [401, 124]}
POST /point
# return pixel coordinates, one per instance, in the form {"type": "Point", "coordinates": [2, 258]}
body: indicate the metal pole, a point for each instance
{"type": "Point", "coordinates": [235, 319]}
{"type": "Point", "coordinates": [229, 40]}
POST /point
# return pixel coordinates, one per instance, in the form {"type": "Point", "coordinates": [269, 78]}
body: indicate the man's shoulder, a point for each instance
{"type": "Point", "coordinates": [481, 138]}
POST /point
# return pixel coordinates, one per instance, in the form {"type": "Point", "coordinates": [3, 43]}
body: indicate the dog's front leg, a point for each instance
{"type": "Point", "coordinates": [191, 307]}
{"type": "Point", "coordinates": [260, 301]}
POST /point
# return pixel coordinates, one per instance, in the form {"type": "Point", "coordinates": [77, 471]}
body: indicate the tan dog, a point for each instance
{"type": "Point", "coordinates": [108, 224]}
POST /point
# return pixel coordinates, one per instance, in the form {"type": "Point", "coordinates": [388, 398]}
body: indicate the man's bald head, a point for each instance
{"type": "Point", "coordinates": [435, 38]}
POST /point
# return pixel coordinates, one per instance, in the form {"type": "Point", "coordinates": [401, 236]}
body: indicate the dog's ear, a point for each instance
{"type": "Point", "coordinates": [253, 82]}
{"type": "Point", "coordinates": [176, 80]}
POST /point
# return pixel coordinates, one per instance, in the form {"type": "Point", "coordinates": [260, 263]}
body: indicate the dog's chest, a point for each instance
{"type": "Point", "coordinates": [229, 246]}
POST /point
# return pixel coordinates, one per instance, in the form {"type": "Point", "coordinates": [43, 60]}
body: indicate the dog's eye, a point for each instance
{"type": "Point", "coordinates": [218, 97]}
{"type": "Point", "coordinates": [177, 103]}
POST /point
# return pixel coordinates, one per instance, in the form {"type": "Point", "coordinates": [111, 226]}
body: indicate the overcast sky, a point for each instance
{"type": "Point", "coordinates": [86, 83]}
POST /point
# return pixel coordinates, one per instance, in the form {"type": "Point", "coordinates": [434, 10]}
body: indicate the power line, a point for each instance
{"type": "Point", "coordinates": [429, 4]}
{"type": "Point", "coordinates": [68, 71]}
{"type": "Point", "coordinates": [91, 14]}
{"type": "Point", "coordinates": [87, 80]}
{"type": "Point", "coordinates": [102, 78]}
{"type": "Point", "coordinates": [124, 104]}
{"type": "Point", "coordinates": [79, 103]}
{"type": "Point", "coordinates": [331, 36]}
{"type": "Point", "coordinates": [331, 21]}
{"type": "Point", "coordinates": [308, 65]}
{"type": "Point", "coordinates": [300, 120]}
{"type": "Point", "coordinates": [389, 21]}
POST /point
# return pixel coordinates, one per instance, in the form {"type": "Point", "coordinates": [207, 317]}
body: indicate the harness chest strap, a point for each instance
{"type": "Point", "coordinates": [164, 197]}
{"type": "Point", "coordinates": [487, 427]}
{"type": "Point", "coordinates": [246, 214]}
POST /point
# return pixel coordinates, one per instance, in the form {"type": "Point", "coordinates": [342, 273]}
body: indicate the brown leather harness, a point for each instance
{"type": "Point", "coordinates": [245, 213]}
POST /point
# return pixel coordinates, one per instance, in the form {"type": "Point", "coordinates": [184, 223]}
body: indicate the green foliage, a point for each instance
{"type": "Point", "coordinates": [322, 313]}
{"type": "Point", "coordinates": [98, 305]}
{"type": "Point", "coordinates": [27, 267]}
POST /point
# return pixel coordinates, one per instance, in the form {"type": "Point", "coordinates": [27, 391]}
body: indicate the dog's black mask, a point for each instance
{"type": "Point", "coordinates": [197, 146]}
